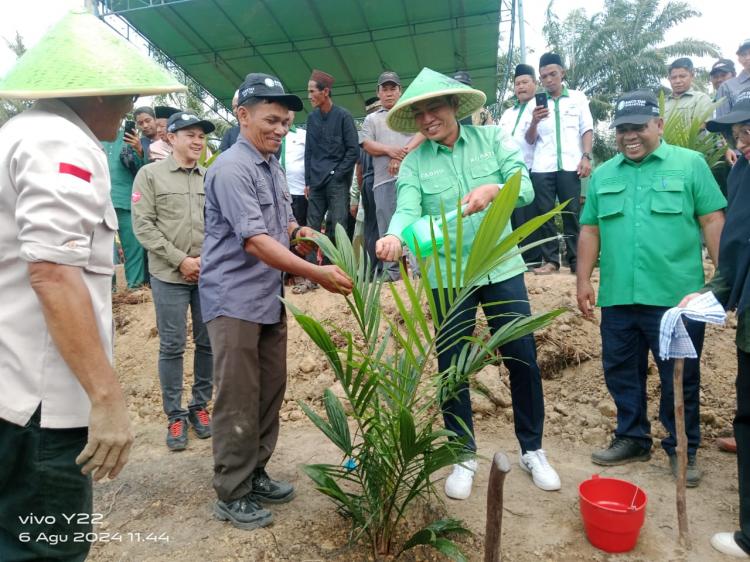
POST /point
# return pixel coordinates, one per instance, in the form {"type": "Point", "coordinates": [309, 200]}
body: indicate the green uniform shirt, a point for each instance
{"type": "Point", "coordinates": [647, 213]}
{"type": "Point", "coordinates": [434, 175]}
{"type": "Point", "coordinates": [690, 104]}
{"type": "Point", "coordinates": [120, 176]}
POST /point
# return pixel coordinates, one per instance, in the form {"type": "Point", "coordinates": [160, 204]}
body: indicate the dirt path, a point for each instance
{"type": "Point", "coordinates": [161, 504]}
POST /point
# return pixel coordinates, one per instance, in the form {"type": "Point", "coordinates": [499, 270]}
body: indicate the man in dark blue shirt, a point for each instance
{"type": "Point", "coordinates": [331, 150]}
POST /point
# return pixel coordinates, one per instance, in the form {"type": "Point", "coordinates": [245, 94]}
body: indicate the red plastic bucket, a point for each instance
{"type": "Point", "coordinates": [613, 512]}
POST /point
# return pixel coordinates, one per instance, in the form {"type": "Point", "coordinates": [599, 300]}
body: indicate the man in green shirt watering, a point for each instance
{"type": "Point", "coordinates": [645, 209]}
{"type": "Point", "coordinates": [470, 163]}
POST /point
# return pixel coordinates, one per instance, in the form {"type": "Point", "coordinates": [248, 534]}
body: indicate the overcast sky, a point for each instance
{"type": "Point", "coordinates": [724, 22]}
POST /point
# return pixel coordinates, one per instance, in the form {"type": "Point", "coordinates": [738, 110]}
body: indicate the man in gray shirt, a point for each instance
{"type": "Point", "coordinates": [732, 87]}
{"type": "Point", "coordinates": [387, 148]}
{"type": "Point", "coordinates": [249, 224]}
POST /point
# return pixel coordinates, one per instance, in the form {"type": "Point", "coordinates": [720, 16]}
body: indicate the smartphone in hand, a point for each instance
{"type": "Point", "coordinates": [541, 99]}
{"type": "Point", "coordinates": [130, 127]}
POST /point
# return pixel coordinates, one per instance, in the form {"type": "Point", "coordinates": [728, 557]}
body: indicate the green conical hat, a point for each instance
{"type": "Point", "coordinates": [430, 84]}
{"type": "Point", "coordinates": [83, 56]}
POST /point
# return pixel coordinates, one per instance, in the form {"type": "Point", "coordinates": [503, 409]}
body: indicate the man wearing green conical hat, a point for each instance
{"type": "Point", "coordinates": [472, 164]}
{"type": "Point", "coordinates": [62, 410]}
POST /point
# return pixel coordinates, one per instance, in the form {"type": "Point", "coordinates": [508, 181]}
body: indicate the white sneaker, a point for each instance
{"type": "Point", "coordinates": [458, 484]}
{"type": "Point", "coordinates": [725, 543]}
{"type": "Point", "coordinates": [543, 475]}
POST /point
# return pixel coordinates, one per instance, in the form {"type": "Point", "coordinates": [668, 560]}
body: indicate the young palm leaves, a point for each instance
{"type": "Point", "coordinates": [392, 441]}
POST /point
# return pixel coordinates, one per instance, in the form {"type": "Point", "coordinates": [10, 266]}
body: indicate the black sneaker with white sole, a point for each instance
{"type": "Point", "coordinates": [243, 513]}
{"type": "Point", "coordinates": [268, 490]}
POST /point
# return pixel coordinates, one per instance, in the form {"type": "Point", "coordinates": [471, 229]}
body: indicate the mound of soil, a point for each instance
{"type": "Point", "coordinates": [160, 506]}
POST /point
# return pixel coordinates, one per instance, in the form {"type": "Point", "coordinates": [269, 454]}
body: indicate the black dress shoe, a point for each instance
{"type": "Point", "coordinates": [622, 450]}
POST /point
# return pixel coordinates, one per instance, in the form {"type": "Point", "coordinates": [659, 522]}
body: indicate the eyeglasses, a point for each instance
{"type": "Point", "coordinates": [743, 133]}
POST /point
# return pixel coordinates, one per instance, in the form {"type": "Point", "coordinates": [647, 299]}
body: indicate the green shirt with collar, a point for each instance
{"type": "Point", "coordinates": [434, 176]}
{"type": "Point", "coordinates": [690, 104]}
{"type": "Point", "coordinates": [647, 213]}
{"type": "Point", "coordinates": [167, 205]}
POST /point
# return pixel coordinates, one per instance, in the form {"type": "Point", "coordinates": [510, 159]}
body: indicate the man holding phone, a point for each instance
{"type": "Point", "coordinates": [561, 131]}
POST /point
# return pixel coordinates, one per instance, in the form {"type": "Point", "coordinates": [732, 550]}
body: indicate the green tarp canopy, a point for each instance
{"type": "Point", "coordinates": [218, 42]}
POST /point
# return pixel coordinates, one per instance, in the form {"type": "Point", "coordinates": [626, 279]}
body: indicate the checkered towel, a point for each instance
{"type": "Point", "coordinates": [674, 341]}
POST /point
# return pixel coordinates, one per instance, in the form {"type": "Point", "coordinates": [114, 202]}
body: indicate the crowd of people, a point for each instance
{"type": "Point", "coordinates": [219, 243]}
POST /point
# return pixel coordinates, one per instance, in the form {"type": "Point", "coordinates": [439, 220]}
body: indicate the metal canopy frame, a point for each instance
{"type": "Point", "coordinates": [213, 44]}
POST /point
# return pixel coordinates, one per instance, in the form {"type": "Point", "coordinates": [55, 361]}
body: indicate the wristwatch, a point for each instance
{"type": "Point", "coordinates": [587, 156]}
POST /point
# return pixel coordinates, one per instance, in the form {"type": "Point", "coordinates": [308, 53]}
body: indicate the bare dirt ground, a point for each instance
{"type": "Point", "coordinates": [160, 507]}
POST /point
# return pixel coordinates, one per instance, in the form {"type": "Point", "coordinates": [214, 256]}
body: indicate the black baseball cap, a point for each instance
{"type": "Point", "coordinates": [744, 46]}
{"type": "Point", "coordinates": [258, 85]}
{"type": "Point", "coordinates": [389, 76]}
{"type": "Point", "coordinates": [183, 120]}
{"type": "Point", "coordinates": [722, 65]}
{"type": "Point", "coordinates": [635, 108]}
{"type": "Point", "coordinates": [739, 114]}
{"type": "Point", "coordinates": [682, 62]}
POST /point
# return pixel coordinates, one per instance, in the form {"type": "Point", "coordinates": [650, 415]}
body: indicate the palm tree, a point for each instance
{"type": "Point", "coordinates": [621, 48]}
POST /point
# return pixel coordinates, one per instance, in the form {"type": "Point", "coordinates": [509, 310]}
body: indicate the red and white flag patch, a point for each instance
{"type": "Point", "coordinates": [136, 196]}
{"type": "Point", "coordinates": [76, 171]}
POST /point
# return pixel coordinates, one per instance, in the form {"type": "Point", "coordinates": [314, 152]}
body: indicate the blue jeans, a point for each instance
{"type": "Point", "coordinates": [518, 356]}
{"type": "Point", "coordinates": [628, 333]}
{"type": "Point", "coordinates": [171, 301]}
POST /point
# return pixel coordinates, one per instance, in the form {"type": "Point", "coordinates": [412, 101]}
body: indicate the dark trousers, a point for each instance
{"type": "Point", "coordinates": [371, 232]}
{"type": "Point", "coordinates": [299, 209]}
{"type": "Point", "coordinates": [518, 356]}
{"type": "Point", "coordinates": [628, 333]}
{"type": "Point", "coordinates": [250, 376]}
{"type": "Point", "coordinates": [331, 197]}
{"type": "Point", "coordinates": [547, 187]}
{"type": "Point", "coordinates": [171, 301]}
{"type": "Point", "coordinates": [519, 217]}
{"type": "Point", "coordinates": [39, 477]}
{"type": "Point", "coordinates": [742, 435]}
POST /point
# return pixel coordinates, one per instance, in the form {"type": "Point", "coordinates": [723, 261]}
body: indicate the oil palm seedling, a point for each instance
{"type": "Point", "coordinates": [390, 435]}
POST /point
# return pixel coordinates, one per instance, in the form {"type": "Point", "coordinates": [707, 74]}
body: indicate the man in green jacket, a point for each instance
{"type": "Point", "coordinates": [471, 163]}
{"type": "Point", "coordinates": [685, 99]}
